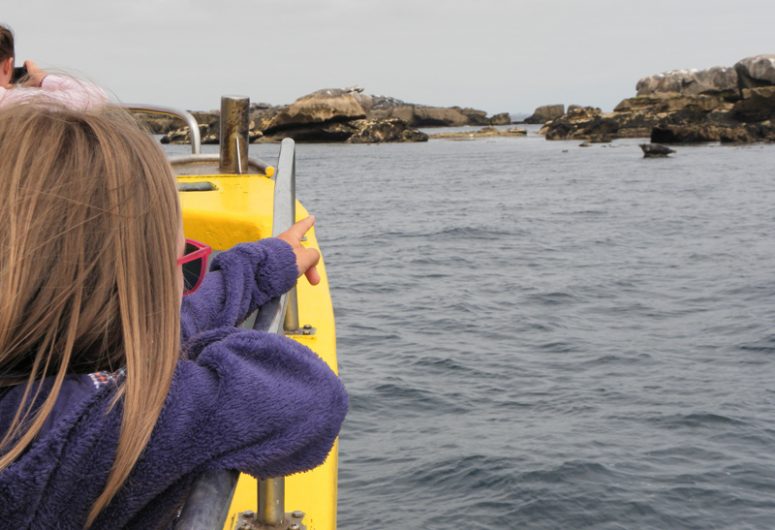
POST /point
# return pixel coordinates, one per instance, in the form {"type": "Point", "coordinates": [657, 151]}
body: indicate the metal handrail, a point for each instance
{"type": "Point", "coordinates": [193, 126]}
{"type": "Point", "coordinates": [271, 491]}
{"type": "Point", "coordinates": [208, 504]}
{"type": "Point", "coordinates": [285, 187]}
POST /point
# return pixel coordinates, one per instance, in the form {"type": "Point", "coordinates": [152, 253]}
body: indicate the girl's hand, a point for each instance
{"type": "Point", "coordinates": [306, 258]}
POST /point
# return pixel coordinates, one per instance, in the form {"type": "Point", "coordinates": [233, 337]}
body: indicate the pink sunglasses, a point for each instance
{"type": "Point", "coordinates": [194, 262]}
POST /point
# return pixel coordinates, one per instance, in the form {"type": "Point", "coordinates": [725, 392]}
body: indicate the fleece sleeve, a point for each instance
{"type": "Point", "coordinates": [240, 280]}
{"type": "Point", "coordinates": [256, 402]}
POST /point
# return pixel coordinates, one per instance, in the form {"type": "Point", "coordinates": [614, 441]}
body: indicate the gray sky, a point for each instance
{"type": "Point", "coordinates": [497, 55]}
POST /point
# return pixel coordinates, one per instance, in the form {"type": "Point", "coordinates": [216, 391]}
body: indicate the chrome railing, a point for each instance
{"type": "Point", "coordinates": [193, 126]}
{"type": "Point", "coordinates": [271, 491]}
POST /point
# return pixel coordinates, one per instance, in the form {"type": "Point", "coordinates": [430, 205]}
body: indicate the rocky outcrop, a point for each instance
{"type": "Point", "coordinates": [414, 115]}
{"type": "Point", "coordinates": [323, 133]}
{"type": "Point", "coordinates": [356, 131]}
{"type": "Point", "coordinates": [330, 115]}
{"type": "Point", "coordinates": [419, 116]}
{"type": "Point", "coordinates": [582, 123]}
{"type": "Point", "coordinates": [714, 105]}
{"type": "Point", "coordinates": [338, 115]}
{"type": "Point", "coordinates": [334, 115]}
{"type": "Point", "coordinates": [156, 124]}
{"type": "Point", "coordinates": [475, 116]}
{"type": "Point", "coordinates": [261, 115]}
{"type": "Point", "coordinates": [718, 80]}
{"type": "Point", "coordinates": [757, 104]}
{"type": "Point", "coordinates": [181, 136]}
{"type": "Point", "coordinates": [503, 118]}
{"type": "Point", "coordinates": [689, 133]}
{"type": "Point", "coordinates": [389, 130]}
{"type": "Point", "coordinates": [546, 113]}
{"type": "Point", "coordinates": [756, 71]}
{"type": "Point", "coordinates": [425, 116]}
{"type": "Point", "coordinates": [323, 107]}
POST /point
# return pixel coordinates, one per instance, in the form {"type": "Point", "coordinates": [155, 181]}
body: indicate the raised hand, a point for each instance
{"type": "Point", "coordinates": [34, 74]}
{"type": "Point", "coordinates": [306, 258]}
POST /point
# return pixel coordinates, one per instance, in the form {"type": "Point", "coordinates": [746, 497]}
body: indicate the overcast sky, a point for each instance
{"type": "Point", "coordinates": [496, 55]}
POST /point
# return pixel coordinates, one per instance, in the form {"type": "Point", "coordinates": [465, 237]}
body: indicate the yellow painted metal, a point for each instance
{"type": "Point", "coordinates": [240, 209]}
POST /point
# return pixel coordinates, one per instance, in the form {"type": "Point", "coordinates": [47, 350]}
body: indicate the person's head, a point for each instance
{"type": "Point", "coordinates": [7, 54]}
{"type": "Point", "coordinates": [89, 279]}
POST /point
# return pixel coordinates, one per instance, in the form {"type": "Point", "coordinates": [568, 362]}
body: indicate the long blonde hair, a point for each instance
{"type": "Point", "coordinates": [88, 282]}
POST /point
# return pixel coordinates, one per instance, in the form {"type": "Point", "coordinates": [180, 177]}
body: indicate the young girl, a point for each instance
{"type": "Point", "coordinates": [103, 422]}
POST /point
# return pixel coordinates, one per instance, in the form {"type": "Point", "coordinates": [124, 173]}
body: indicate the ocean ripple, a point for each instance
{"type": "Point", "coordinates": [548, 340]}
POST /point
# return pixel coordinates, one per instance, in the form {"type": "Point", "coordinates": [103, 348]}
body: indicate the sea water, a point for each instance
{"type": "Point", "coordinates": [540, 335]}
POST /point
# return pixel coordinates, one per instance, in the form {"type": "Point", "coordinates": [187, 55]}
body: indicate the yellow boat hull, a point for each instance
{"type": "Point", "coordinates": [240, 209]}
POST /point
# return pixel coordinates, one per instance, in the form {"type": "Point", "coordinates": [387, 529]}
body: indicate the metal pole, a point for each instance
{"type": "Point", "coordinates": [271, 501]}
{"type": "Point", "coordinates": [234, 134]}
{"type": "Point", "coordinates": [285, 215]}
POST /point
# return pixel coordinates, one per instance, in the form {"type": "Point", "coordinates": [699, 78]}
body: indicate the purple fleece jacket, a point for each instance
{"type": "Point", "coordinates": [245, 400]}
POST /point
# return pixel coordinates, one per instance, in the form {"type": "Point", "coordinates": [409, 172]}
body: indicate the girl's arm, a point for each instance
{"type": "Point", "coordinates": [249, 401]}
{"type": "Point", "coordinates": [257, 402]}
{"type": "Point", "coordinates": [246, 277]}
{"type": "Point", "coordinates": [241, 279]}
